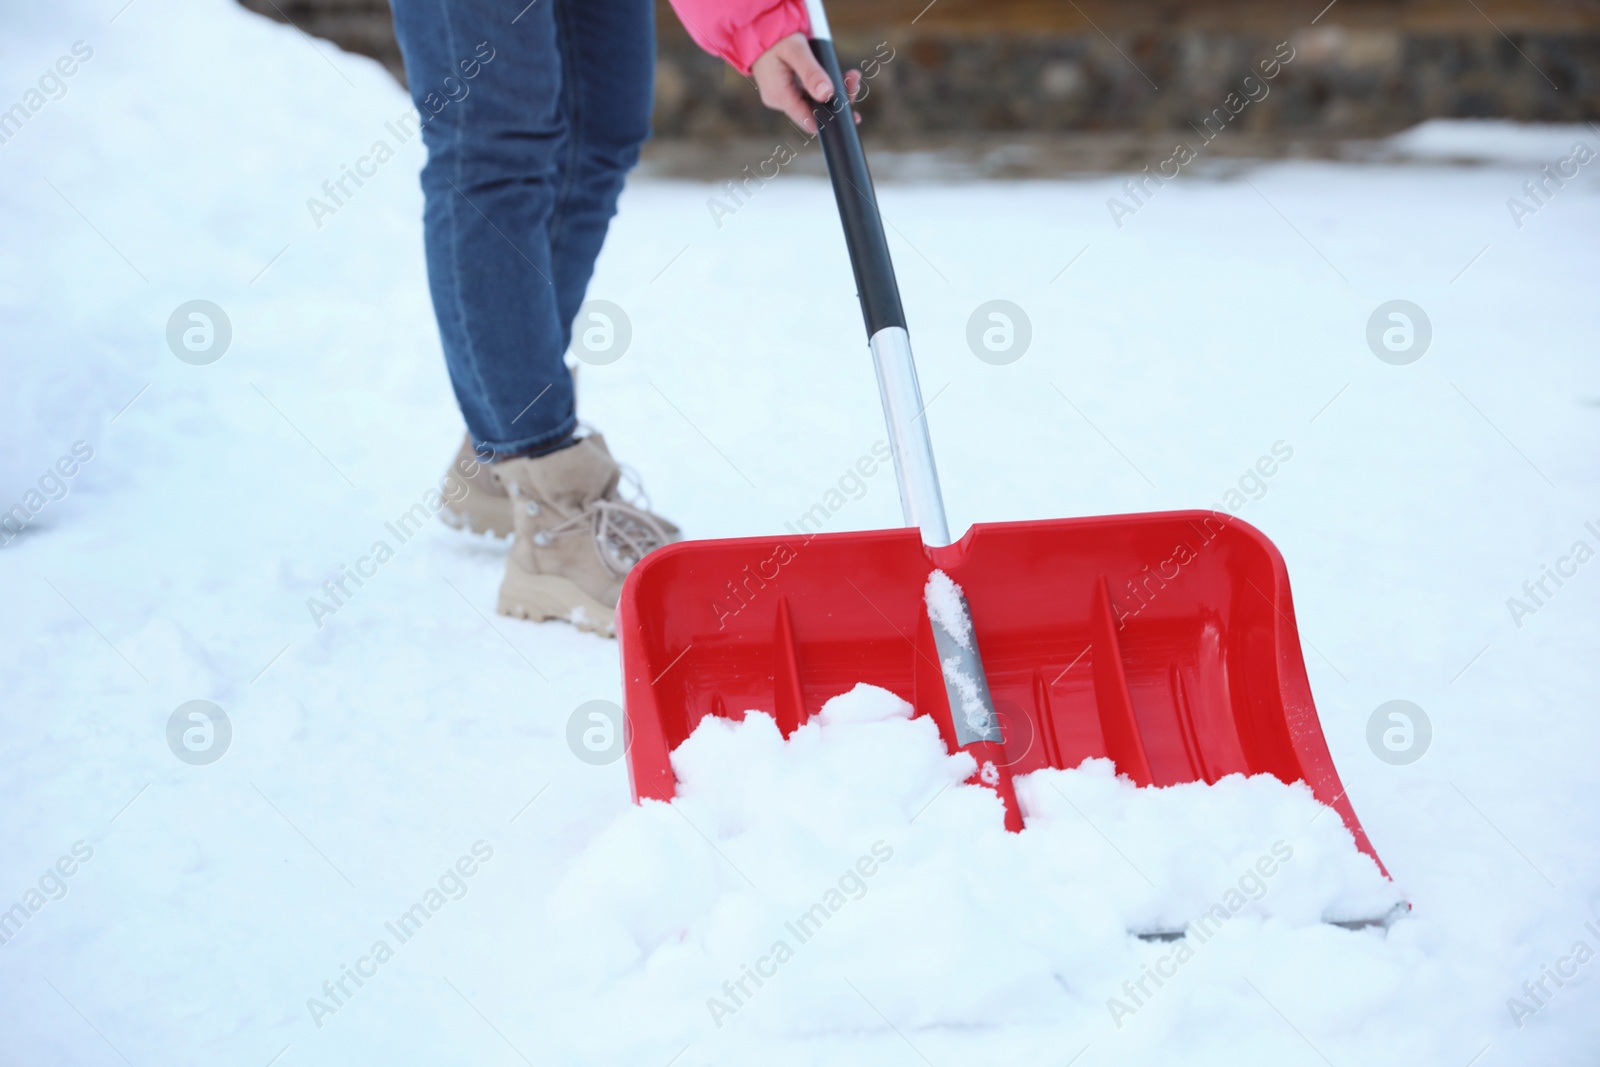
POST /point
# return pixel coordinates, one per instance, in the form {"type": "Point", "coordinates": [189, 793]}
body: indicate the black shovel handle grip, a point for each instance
{"type": "Point", "coordinates": [858, 204]}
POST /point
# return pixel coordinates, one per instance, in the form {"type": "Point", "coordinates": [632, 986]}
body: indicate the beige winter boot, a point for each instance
{"type": "Point", "coordinates": [486, 507]}
{"type": "Point", "coordinates": [576, 538]}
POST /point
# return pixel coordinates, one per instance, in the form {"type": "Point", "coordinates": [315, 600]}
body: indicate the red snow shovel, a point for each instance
{"type": "Point", "coordinates": [1165, 642]}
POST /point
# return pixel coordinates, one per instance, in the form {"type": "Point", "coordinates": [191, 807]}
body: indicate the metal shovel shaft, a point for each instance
{"type": "Point", "coordinates": [920, 499]}
{"type": "Point", "coordinates": [976, 726]}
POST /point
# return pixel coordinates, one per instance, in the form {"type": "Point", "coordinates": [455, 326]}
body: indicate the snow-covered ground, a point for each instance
{"type": "Point", "coordinates": [412, 750]}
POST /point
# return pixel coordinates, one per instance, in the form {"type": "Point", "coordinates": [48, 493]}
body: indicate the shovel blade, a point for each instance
{"type": "Point", "coordinates": [1164, 642]}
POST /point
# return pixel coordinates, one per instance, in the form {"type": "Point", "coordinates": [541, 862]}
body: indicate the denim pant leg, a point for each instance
{"type": "Point", "coordinates": [608, 57]}
{"type": "Point", "coordinates": [488, 78]}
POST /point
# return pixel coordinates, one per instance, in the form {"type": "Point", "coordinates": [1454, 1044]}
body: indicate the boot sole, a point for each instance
{"type": "Point", "coordinates": [540, 597]}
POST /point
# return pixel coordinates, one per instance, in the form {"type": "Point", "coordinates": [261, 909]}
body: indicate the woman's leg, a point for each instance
{"type": "Point", "coordinates": [488, 82]}
{"type": "Point", "coordinates": [608, 56]}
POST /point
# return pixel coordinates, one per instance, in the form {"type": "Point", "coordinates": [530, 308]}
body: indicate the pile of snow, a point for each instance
{"type": "Point", "coordinates": [801, 886]}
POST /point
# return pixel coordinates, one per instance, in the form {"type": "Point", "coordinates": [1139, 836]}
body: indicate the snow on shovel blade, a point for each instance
{"type": "Point", "coordinates": [973, 716]}
{"type": "Point", "coordinates": [1165, 642]}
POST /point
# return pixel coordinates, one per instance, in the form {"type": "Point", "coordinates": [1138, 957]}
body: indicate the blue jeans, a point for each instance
{"type": "Point", "coordinates": [533, 113]}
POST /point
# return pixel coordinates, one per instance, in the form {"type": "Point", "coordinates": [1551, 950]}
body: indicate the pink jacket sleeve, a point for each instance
{"type": "Point", "coordinates": [740, 30]}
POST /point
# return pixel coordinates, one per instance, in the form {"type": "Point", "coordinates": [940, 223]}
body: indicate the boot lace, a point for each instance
{"type": "Point", "coordinates": [622, 532]}
{"type": "Point", "coordinates": [630, 487]}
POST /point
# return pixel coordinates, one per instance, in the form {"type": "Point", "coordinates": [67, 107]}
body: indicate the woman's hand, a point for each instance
{"type": "Point", "coordinates": [790, 78]}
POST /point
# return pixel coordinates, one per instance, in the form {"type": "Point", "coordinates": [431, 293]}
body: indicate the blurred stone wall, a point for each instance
{"type": "Point", "coordinates": [1359, 68]}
